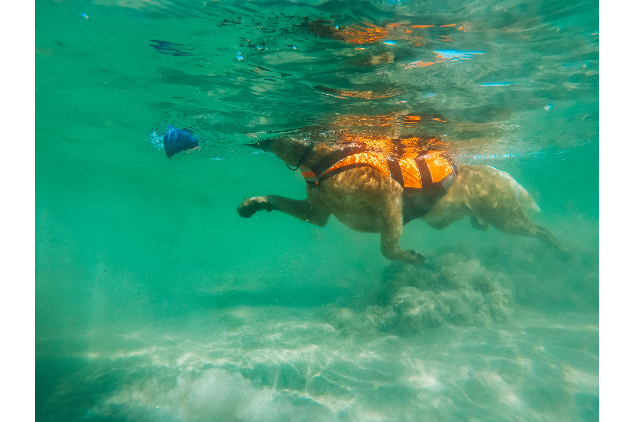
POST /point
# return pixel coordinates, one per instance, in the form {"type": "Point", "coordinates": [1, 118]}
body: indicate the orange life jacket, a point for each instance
{"type": "Point", "coordinates": [421, 170]}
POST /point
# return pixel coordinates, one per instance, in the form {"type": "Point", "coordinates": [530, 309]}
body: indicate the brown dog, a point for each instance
{"type": "Point", "coordinates": [371, 190]}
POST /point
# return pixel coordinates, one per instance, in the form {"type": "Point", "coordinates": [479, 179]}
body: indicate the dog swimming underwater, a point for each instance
{"type": "Point", "coordinates": [377, 184]}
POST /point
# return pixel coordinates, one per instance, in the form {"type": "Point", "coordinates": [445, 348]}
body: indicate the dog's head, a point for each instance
{"type": "Point", "coordinates": [289, 149]}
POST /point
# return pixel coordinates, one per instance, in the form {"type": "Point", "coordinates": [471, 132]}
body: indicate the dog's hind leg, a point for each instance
{"type": "Point", "coordinates": [527, 228]}
{"type": "Point", "coordinates": [491, 196]}
{"type": "Point", "coordinates": [508, 216]}
{"type": "Point", "coordinates": [547, 237]}
{"type": "Point", "coordinates": [304, 210]}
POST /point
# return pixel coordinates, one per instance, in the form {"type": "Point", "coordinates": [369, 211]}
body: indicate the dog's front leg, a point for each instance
{"type": "Point", "coordinates": [304, 210]}
{"type": "Point", "coordinates": [391, 230]}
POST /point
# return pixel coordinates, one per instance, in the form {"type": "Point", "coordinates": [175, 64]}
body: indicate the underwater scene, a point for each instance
{"type": "Point", "coordinates": [157, 300]}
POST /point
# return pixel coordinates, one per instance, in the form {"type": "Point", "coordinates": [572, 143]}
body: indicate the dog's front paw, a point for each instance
{"type": "Point", "coordinates": [418, 259]}
{"type": "Point", "coordinates": [250, 206]}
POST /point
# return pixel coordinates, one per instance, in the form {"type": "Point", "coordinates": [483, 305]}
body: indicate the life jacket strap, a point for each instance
{"type": "Point", "coordinates": [423, 170]}
{"type": "Point", "coordinates": [309, 175]}
{"type": "Point", "coordinates": [395, 171]}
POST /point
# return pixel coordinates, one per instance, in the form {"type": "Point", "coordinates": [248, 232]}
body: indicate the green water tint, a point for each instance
{"type": "Point", "coordinates": [155, 301]}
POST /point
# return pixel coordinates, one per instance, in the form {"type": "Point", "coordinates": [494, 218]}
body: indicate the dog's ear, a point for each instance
{"type": "Point", "coordinates": [264, 145]}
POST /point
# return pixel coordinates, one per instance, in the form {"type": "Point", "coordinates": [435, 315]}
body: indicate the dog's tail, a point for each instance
{"type": "Point", "coordinates": [523, 198]}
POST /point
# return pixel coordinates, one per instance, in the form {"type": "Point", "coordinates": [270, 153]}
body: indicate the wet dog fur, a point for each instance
{"type": "Point", "coordinates": [367, 201]}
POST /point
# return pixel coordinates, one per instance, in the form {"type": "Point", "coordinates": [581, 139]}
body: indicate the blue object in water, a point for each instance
{"type": "Point", "coordinates": [177, 140]}
{"type": "Point", "coordinates": [389, 42]}
{"type": "Point", "coordinates": [456, 55]}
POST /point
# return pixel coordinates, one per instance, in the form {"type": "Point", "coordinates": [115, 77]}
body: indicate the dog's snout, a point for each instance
{"type": "Point", "coordinates": [264, 145]}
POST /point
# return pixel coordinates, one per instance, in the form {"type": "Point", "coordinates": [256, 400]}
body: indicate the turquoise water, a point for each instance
{"type": "Point", "coordinates": [155, 301]}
